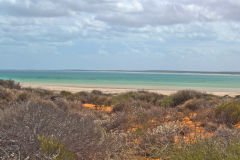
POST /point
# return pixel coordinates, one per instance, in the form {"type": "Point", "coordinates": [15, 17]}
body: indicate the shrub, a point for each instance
{"type": "Point", "coordinates": [6, 95]}
{"type": "Point", "coordinates": [228, 113]}
{"type": "Point", "coordinates": [157, 143]}
{"type": "Point", "coordinates": [193, 104]}
{"type": "Point", "coordinates": [9, 84]}
{"type": "Point", "coordinates": [96, 92]}
{"type": "Point", "coordinates": [147, 97]}
{"type": "Point", "coordinates": [54, 149]}
{"type": "Point", "coordinates": [65, 93]}
{"type": "Point", "coordinates": [237, 96]}
{"type": "Point", "coordinates": [208, 149]}
{"type": "Point", "coordinates": [180, 97]}
{"type": "Point", "coordinates": [24, 123]}
{"type": "Point", "coordinates": [167, 101]}
{"type": "Point", "coordinates": [130, 106]}
{"type": "Point", "coordinates": [24, 96]}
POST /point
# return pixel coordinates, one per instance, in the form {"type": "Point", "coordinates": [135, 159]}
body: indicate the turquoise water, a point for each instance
{"type": "Point", "coordinates": [149, 80]}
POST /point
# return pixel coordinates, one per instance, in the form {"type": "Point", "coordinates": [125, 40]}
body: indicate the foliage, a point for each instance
{"type": "Point", "coordinates": [208, 149]}
{"type": "Point", "coordinates": [180, 97]}
{"type": "Point", "coordinates": [24, 123]}
{"type": "Point", "coordinates": [228, 113]}
{"type": "Point", "coordinates": [54, 149]}
{"type": "Point", "coordinates": [9, 84]}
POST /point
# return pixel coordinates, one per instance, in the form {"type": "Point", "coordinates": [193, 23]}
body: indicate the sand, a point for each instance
{"type": "Point", "coordinates": [115, 90]}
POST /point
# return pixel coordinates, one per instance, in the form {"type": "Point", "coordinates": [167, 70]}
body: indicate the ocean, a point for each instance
{"type": "Point", "coordinates": [124, 79]}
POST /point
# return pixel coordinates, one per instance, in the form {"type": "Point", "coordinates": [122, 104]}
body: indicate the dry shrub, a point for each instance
{"type": "Point", "coordinates": [9, 84]}
{"type": "Point", "coordinates": [157, 142]}
{"type": "Point", "coordinates": [6, 98]}
{"type": "Point", "coordinates": [24, 96]}
{"type": "Point", "coordinates": [6, 95]}
{"type": "Point", "coordinates": [23, 124]}
{"type": "Point", "coordinates": [131, 106]}
{"type": "Point", "coordinates": [42, 93]}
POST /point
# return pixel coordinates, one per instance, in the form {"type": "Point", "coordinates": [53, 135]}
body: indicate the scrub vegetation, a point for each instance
{"type": "Point", "coordinates": [187, 125]}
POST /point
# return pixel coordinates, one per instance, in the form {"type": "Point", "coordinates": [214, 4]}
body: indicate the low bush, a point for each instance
{"type": "Point", "coordinates": [157, 143]}
{"type": "Point", "coordinates": [237, 96]}
{"type": "Point", "coordinates": [147, 97]}
{"type": "Point", "coordinates": [180, 97]}
{"type": "Point", "coordinates": [25, 122]}
{"type": "Point", "coordinates": [54, 149]}
{"type": "Point", "coordinates": [208, 149]}
{"type": "Point", "coordinates": [194, 104]}
{"type": "Point", "coordinates": [9, 84]}
{"type": "Point", "coordinates": [228, 113]}
{"type": "Point", "coordinates": [6, 95]}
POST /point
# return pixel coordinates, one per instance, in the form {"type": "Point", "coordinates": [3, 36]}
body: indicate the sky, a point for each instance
{"type": "Point", "coordinates": [190, 35]}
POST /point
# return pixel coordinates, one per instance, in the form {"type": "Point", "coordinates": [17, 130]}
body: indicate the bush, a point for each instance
{"type": "Point", "coordinates": [237, 96]}
{"type": "Point", "coordinates": [180, 97]}
{"type": "Point", "coordinates": [54, 149]}
{"type": "Point", "coordinates": [65, 93]}
{"type": "Point", "coordinates": [24, 96]}
{"type": "Point", "coordinates": [130, 106]}
{"type": "Point", "coordinates": [9, 84]}
{"type": "Point", "coordinates": [157, 143]}
{"type": "Point", "coordinates": [96, 92]}
{"type": "Point", "coordinates": [193, 104]}
{"type": "Point", "coordinates": [6, 95]}
{"type": "Point", "coordinates": [228, 113]}
{"type": "Point", "coordinates": [208, 149]}
{"type": "Point", "coordinates": [143, 96]}
{"type": "Point", "coordinates": [24, 123]}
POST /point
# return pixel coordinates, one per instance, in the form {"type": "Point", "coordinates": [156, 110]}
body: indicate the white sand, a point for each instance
{"type": "Point", "coordinates": [114, 90]}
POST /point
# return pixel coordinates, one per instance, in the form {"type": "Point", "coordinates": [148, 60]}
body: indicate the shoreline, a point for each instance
{"type": "Point", "coordinates": [117, 90]}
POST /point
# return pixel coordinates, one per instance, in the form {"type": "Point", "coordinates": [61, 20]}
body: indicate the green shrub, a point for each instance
{"type": "Point", "coordinates": [208, 149]}
{"type": "Point", "coordinates": [237, 96]}
{"type": "Point", "coordinates": [147, 97]}
{"type": "Point", "coordinates": [228, 113]}
{"type": "Point", "coordinates": [193, 104]}
{"type": "Point", "coordinates": [96, 92]}
{"type": "Point", "coordinates": [167, 102]}
{"type": "Point", "coordinates": [54, 149]}
{"type": "Point", "coordinates": [180, 97]}
{"type": "Point", "coordinates": [65, 93]}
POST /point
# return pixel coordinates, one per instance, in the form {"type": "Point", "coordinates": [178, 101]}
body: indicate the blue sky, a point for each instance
{"type": "Point", "coordinates": [120, 34]}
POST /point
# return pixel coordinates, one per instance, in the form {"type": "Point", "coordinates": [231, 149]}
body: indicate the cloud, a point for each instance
{"type": "Point", "coordinates": [128, 13]}
{"type": "Point", "coordinates": [160, 28]}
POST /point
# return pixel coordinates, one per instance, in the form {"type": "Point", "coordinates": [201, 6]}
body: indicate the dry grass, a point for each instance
{"type": "Point", "coordinates": [38, 123]}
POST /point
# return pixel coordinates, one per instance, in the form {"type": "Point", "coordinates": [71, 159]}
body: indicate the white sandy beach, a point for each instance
{"type": "Point", "coordinates": [115, 90]}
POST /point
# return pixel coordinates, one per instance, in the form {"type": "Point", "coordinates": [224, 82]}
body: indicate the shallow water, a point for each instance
{"type": "Point", "coordinates": [151, 80]}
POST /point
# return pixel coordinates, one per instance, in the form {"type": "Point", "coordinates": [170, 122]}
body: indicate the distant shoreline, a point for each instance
{"type": "Point", "coordinates": [117, 90]}
{"type": "Point", "coordinates": [143, 71]}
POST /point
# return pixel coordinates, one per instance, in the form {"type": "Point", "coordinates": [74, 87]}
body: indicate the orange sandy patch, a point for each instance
{"type": "Point", "coordinates": [237, 125]}
{"type": "Point", "coordinates": [94, 107]}
{"type": "Point", "coordinates": [134, 128]}
{"type": "Point", "coordinates": [152, 121]}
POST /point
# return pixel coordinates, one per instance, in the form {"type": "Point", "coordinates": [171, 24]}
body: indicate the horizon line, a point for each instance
{"type": "Point", "coordinates": [124, 70]}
